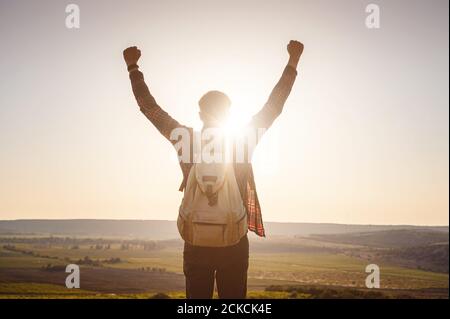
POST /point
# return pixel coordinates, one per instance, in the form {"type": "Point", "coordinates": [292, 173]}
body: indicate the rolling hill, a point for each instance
{"type": "Point", "coordinates": [165, 229]}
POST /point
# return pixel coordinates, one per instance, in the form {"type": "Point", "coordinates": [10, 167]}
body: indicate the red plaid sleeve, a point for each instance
{"type": "Point", "coordinates": [275, 103]}
{"type": "Point", "coordinates": [147, 103]}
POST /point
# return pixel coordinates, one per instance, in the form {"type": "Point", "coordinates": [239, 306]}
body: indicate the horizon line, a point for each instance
{"type": "Point", "coordinates": [173, 220]}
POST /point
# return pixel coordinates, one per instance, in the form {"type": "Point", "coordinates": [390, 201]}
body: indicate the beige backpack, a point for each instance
{"type": "Point", "coordinates": [212, 213]}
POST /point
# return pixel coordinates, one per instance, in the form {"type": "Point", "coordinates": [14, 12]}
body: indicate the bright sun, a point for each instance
{"type": "Point", "coordinates": [237, 120]}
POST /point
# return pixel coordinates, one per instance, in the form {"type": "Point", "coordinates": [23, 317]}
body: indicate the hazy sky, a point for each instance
{"type": "Point", "coordinates": [363, 137]}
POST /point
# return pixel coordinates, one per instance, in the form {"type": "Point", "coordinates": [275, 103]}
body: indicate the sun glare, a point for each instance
{"type": "Point", "coordinates": [237, 121]}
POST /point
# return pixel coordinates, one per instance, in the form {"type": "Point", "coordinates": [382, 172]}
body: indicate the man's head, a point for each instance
{"type": "Point", "coordinates": [214, 108]}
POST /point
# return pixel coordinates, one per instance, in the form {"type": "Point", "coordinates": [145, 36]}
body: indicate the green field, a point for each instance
{"type": "Point", "coordinates": [30, 270]}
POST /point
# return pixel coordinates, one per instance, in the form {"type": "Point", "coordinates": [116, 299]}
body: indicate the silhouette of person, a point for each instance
{"type": "Point", "coordinates": [227, 265]}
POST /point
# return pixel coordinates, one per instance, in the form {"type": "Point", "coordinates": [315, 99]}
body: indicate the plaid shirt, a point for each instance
{"type": "Point", "coordinates": [243, 171]}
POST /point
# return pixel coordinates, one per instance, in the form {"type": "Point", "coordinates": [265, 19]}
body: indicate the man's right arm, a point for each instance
{"type": "Point", "coordinates": [147, 103]}
{"type": "Point", "coordinates": [274, 105]}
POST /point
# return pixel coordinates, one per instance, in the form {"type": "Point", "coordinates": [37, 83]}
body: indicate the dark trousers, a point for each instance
{"type": "Point", "coordinates": [228, 265]}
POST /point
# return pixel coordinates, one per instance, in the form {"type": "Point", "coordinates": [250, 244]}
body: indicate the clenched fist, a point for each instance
{"type": "Point", "coordinates": [131, 55]}
{"type": "Point", "coordinates": [295, 49]}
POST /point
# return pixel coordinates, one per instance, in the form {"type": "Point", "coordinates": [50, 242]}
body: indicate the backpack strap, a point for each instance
{"type": "Point", "coordinates": [210, 179]}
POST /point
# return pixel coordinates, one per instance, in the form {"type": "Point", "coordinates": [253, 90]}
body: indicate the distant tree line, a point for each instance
{"type": "Point", "coordinates": [77, 243]}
